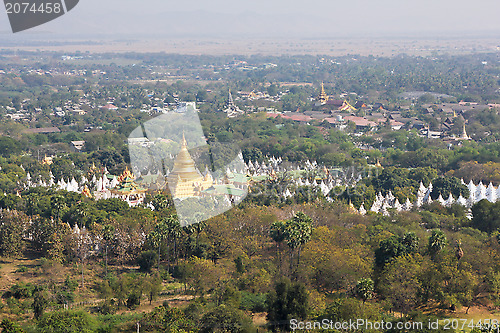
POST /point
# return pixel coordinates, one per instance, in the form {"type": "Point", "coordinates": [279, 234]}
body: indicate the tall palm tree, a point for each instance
{"type": "Point", "coordinates": [278, 234]}
{"type": "Point", "coordinates": [437, 242]}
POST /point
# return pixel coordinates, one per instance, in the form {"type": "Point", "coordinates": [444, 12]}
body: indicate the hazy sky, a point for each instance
{"type": "Point", "coordinates": [273, 18]}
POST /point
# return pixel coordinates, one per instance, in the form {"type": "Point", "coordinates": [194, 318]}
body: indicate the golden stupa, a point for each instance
{"type": "Point", "coordinates": [185, 180]}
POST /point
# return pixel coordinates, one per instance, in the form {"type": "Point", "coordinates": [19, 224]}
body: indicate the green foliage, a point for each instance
{"type": "Point", "coordinates": [40, 302]}
{"type": "Point", "coordinates": [344, 309]}
{"type": "Point", "coordinates": [394, 247]}
{"type": "Point", "coordinates": [486, 216]}
{"type": "Point", "coordinates": [147, 260]}
{"type": "Point", "coordinates": [67, 321]}
{"type": "Point", "coordinates": [168, 320]}
{"type": "Point", "coordinates": [286, 301]}
{"type": "Point", "coordinates": [12, 225]}
{"type": "Point", "coordinates": [22, 290]}
{"type": "Point", "coordinates": [226, 319]}
{"type": "Point", "coordinates": [134, 300]}
{"type": "Point", "coordinates": [8, 326]}
{"type": "Point", "coordinates": [399, 282]}
{"type": "Point", "coordinates": [437, 242]}
{"type": "Point", "coordinates": [364, 289]}
{"type": "Point", "coordinates": [112, 205]}
{"type": "Point", "coordinates": [253, 302]}
{"type": "Point", "coordinates": [9, 146]}
{"type": "Point", "coordinates": [445, 185]}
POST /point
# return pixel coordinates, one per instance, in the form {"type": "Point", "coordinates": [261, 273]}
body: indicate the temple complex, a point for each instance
{"type": "Point", "coordinates": [128, 190]}
{"type": "Point", "coordinates": [232, 109]}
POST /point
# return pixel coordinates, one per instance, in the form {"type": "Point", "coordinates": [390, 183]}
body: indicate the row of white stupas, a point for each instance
{"type": "Point", "coordinates": [101, 184]}
{"type": "Point", "coordinates": [71, 185]}
{"type": "Point", "coordinates": [275, 165]}
{"type": "Point", "coordinates": [476, 193]}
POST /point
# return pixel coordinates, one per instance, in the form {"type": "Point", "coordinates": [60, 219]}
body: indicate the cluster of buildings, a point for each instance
{"type": "Point", "coordinates": [339, 113]}
{"type": "Point", "coordinates": [103, 187]}
{"type": "Point", "coordinates": [186, 181]}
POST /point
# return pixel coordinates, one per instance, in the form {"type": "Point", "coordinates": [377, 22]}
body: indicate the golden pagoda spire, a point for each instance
{"type": "Point", "coordinates": [126, 174]}
{"type": "Point", "coordinates": [323, 97]}
{"type": "Point", "coordinates": [183, 141]}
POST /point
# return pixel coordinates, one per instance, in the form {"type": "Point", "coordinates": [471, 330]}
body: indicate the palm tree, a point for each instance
{"type": "Point", "coordinates": [437, 242]}
{"type": "Point", "coordinates": [364, 289]}
{"type": "Point", "coordinates": [278, 234]}
{"type": "Point", "coordinates": [297, 233]}
{"type": "Point", "coordinates": [174, 232]}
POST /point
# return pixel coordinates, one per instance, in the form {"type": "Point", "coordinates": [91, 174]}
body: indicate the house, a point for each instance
{"type": "Point", "coordinates": [317, 114]}
{"type": "Point", "coordinates": [291, 115]}
{"type": "Point", "coordinates": [361, 122]}
{"type": "Point", "coordinates": [110, 106]}
{"type": "Point", "coordinates": [43, 130]}
{"type": "Point", "coordinates": [77, 145]}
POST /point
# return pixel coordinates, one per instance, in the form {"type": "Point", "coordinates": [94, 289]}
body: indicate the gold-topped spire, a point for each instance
{"type": "Point", "coordinates": [126, 174]}
{"type": "Point", "coordinates": [183, 142]}
{"type": "Point", "coordinates": [323, 97]}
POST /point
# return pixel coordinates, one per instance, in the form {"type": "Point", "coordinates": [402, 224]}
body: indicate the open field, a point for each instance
{"type": "Point", "coordinates": [331, 47]}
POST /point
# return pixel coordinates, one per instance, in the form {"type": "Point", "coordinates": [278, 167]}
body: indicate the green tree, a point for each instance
{"type": "Point", "coordinates": [437, 242]}
{"type": "Point", "coordinates": [40, 302]}
{"type": "Point", "coordinates": [278, 234]}
{"type": "Point", "coordinates": [399, 282]}
{"type": "Point", "coordinates": [445, 185]}
{"type": "Point", "coordinates": [486, 216]}
{"type": "Point", "coordinates": [225, 319]}
{"type": "Point", "coordinates": [152, 286]}
{"type": "Point", "coordinates": [12, 228]}
{"type": "Point", "coordinates": [286, 301]}
{"type": "Point", "coordinates": [297, 233]}
{"type": "Point", "coordinates": [364, 289]}
{"type": "Point", "coordinates": [67, 321]}
{"type": "Point", "coordinates": [146, 260]}
{"type": "Point", "coordinates": [168, 320]}
{"type": "Point", "coordinates": [394, 247]}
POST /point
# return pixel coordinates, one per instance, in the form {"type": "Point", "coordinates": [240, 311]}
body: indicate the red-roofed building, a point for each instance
{"type": "Point", "coordinates": [299, 117]}
{"type": "Point", "coordinates": [361, 123]}
{"type": "Point", "coordinates": [291, 116]}
{"type": "Point", "coordinates": [110, 107]}
{"type": "Point", "coordinates": [395, 125]}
